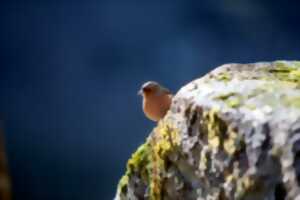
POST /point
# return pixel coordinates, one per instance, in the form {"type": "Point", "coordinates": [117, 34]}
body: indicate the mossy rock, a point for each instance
{"type": "Point", "coordinates": [232, 134]}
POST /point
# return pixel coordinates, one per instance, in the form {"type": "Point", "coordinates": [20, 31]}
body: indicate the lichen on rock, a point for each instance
{"type": "Point", "coordinates": [146, 167]}
{"type": "Point", "coordinates": [232, 134]}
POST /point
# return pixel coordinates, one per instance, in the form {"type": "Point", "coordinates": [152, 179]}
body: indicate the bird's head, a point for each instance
{"type": "Point", "coordinates": [152, 88]}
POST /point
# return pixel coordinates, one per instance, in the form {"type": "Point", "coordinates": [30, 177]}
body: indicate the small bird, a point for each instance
{"type": "Point", "coordinates": [156, 100]}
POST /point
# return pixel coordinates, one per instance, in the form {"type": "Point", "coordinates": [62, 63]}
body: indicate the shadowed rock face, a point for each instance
{"type": "Point", "coordinates": [232, 134]}
{"type": "Point", "coordinates": [5, 190]}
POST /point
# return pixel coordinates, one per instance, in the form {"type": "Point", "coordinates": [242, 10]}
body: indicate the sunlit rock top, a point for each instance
{"type": "Point", "coordinates": [232, 134]}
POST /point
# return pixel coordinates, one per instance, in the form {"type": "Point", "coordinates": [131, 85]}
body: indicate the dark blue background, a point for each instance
{"type": "Point", "coordinates": [69, 74]}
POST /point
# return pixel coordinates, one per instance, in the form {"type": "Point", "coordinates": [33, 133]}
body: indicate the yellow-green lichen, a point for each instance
{"type": "Point", "coordinates": [296, 64]}
{"type": "Point", "coordinates": [234, 102]}
{"type": "Point", "coordinates": [226, 96]}
{"type": "Point", "coordinates": [223, 137]}
{"type": "Point", "coordinates": [260, 90]}
{"type": "Point", "coordinates": [164, 141]}
{"type": "Point", "coordinates": [215, 129]}
{"type": "Point", "coordinates": [231, 144]}
{"type": "Point", "coordinates": [148, 161]}
{"type": "Point", "coordinates": [286, 71]}
{"type": "Point", "coordinates": [139, 158]}
{"type": "Point", "coordinates": [137, 163]}
{"type": "Point", "coordinates": [250, 106]}
{"type": "Point", "coordinates": [203, 160]}
{"type": "Point", "coordinates": [244, 185]}
{"type": "Point", "coordinates": [224, 76]}
{"type": "Point", "coordinates": [123, 184]}
{"type": "Point", "coordinates": [219, 135]}
{"type": "Point", "coordinates": [292, 101]}
{"type": "Point", "coordinates": [231, 99]}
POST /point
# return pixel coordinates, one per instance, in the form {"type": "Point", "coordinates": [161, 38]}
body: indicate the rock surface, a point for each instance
{"type": "Point", "coordinates": [232, 134]}
{"type": "Point", "coordinates": [5, 187]}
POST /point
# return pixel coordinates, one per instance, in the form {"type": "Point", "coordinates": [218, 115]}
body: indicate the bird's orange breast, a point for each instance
{"type": "Point", "coordinates": [156, 107]}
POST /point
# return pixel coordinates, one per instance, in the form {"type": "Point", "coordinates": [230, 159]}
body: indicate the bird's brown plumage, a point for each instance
{"type": "Point", "coordinates": [156, 100]}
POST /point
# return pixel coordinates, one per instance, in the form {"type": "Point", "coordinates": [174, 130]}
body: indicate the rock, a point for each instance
{"type": "Point", "coordinates": [5, 187]}
{"type": "Point", "coordinates": [232, 134]}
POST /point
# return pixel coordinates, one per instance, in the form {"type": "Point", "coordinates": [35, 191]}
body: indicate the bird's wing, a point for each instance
{"type": "Point", "coordinates": [165, 90]}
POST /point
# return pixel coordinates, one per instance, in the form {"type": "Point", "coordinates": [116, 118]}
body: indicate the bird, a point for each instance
{"type": "Point", "coordinates": [156, 100]}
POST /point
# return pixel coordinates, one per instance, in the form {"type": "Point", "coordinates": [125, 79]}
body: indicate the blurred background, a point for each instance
{"type": "Point", "coordinates": [70, 70]}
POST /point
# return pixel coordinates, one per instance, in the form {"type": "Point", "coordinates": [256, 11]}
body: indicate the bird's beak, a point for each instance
{"type": "Point", "coordinates": [140, 92]}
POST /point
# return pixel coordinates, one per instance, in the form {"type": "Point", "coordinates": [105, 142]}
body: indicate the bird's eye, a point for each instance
{"type": "Point", "coordinates": [146, 89]}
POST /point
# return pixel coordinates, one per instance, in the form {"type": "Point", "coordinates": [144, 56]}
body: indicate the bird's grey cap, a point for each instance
{"type": "Point", "coordinates": [150, 84]}
{"type": "Point", "coordinates": [153, 84]}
